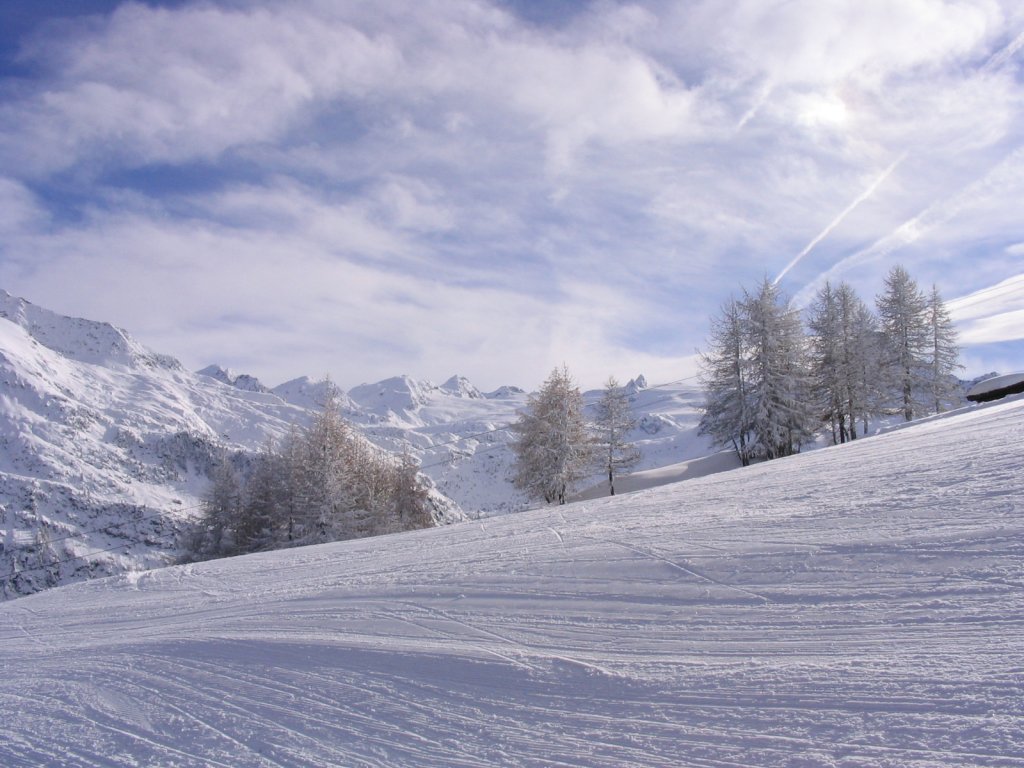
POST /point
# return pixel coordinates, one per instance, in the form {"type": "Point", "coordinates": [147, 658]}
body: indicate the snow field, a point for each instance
{"type": "Point", "coordinates": [856, 606]}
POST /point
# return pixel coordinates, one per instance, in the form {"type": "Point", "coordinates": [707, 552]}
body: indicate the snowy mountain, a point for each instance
{"type": "Point", "coordinates": [462, 438]}
{"type": "Point", "coordinates": [241, 381]}
{"type": "Point", "coordinates": [107, 446]}
{"type": "Point", "coordinates": [857, 606]}
{"type": "Point", "coordinates": [460, 386]}
{"type": "Point", "coordinates": [84, 341]}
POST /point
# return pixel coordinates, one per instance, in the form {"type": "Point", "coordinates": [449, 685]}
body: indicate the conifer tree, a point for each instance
{"type": "Point", "coordinates": [843, 359]}
{"type": "Point", "coordinates": [324, 483]}
{"type": "Point", "coordinates": [829, 384]}
{"type": "Point", "coordinates": [725, 377]}
{"type": "Point", "coordinates": [943, 388]}
{"type": "Point", "coordinates": [331, 476]}
{"type": "Point", "coordinates": [779, 386]}
{"type": "Point", "coordinates": [410, 497]}
{"type": "Point", "coordinates": [222, 507]}
{"type": "Point", "coordinates": [862, 342]}
{"type": "Point", "coordinates": [613, 421]}
{"type": "Point", "coordinates": [552, 446]}
{"type": "Point", "coordinates": [903, 312]}
{"type": "Point", "coordinates": [262, 498]}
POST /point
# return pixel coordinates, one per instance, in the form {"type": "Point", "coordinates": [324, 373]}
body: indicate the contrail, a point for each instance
{"type": "Point", "coordinates": [839, 219]}
{"type": "Point", "coordinates": [762, 98]}
{"type": "Point", "coordinates": [936, 213]}
{"type": "Point", "coordinates": [998, 59]}
{"type": "Point", "coordinates": [1002, 179]}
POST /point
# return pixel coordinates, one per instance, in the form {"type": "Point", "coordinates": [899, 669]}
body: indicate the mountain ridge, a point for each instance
{"type": "Point", "coordinates": [107, 446]}
{"type": "Point", "coordinates": [101, 433]}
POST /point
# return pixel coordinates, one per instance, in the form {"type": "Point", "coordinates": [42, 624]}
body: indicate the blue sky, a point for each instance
{"type": "Point", "coordinates": [494, 188]}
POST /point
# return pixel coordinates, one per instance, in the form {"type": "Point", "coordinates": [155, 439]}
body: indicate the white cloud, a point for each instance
{"type": "Point", "coordinates": [815, 42]}
{"type": "Point", "coordinates": [992, 314]}
{"type": "Point", "coordinates": [298, 296]}
{"type": "Point", "coordinates": [156, 85]}
{"type": "Point", "coordinates": [1005, 326]}
{"type": "Point", "coordinates": [370, 188]}
{"type": "Point", "coordinates": [20, 209]}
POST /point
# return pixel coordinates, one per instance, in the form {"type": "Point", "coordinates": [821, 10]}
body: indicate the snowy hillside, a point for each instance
{"type": "Point", "coordinates": [106, 446]}
{"type": "Point", "coordinates": [854, 606]}
{"type": "Point", "coordinates": [462, 438]}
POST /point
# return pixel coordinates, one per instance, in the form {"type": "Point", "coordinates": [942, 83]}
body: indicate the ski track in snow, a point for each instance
{"type": "Point", "coordinates": [855, 606]}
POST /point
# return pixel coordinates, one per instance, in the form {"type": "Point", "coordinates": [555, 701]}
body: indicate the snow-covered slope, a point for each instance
{"type": "Point", "coordinates": [105, 447]}
{"type": "Point", "coordinates": [85, 341]}
{"type": "Point", "coordinates": [853, 606]}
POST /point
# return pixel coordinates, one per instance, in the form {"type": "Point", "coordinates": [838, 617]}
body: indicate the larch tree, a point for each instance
{"type": "Point", "coordinates": [843, 349]}
{"type": "Point", "coordinates": [326, 476]}
{"type": "Point", "coordinates": [829, 384]}
{"type": "Point", "coordinates": [552, 445]}
{"type": "Point", "coordinates": [726, 417]}
{"type": "Point", "coordinates": [263, 496]}
{"type": "Point", "coordinates": [222, 508]}
{"type": "Point", "coordinates": [943, 388]}
{"type": "Point", "coordinates": [410, 497]}
{"type": "Point", "coordinates": [903, 314]}
{"type": "Point", "coordinates": [613, 420]}
{"type": "Point", "coordinates": [324, 483]}
{"type": "Point", "coordinates": [782, 418]}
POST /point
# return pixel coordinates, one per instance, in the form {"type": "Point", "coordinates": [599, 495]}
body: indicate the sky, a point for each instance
{"type": "Point", "coordinates": [495, 188]}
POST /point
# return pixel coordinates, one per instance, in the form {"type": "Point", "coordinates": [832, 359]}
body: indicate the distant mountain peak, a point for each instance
{"type": "Point", "coordinates": [400, 396]}
{"type": "Point", "coordinates": [635, 385]}
{"type": "Point", "coordinates": [313, 394]}
{"type": "Point", "coordinates": [241, 381]}
{"type": "Point", "coordinates": [504, 392]}
{"type": "Point", "coordinates": [460, 386]}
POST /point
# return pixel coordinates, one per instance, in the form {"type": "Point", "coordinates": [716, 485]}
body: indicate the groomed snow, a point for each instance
{"type": "Point", "coordinates": [855, 606]}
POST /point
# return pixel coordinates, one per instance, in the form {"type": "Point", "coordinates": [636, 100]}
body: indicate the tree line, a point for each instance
{"type": "Point", "coordinates": [773, 383]}
{"type": "Point", "coordinates": [324, 483]}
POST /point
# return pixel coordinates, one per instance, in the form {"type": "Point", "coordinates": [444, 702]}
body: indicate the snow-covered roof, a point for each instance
{"type": "Point", "coordinates": [996, 385]}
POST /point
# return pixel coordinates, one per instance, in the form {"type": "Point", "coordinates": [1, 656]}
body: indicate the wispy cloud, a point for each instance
{"type": "Point", "coordinates": [843, 214]}
{"type": "Point", "coordinates": [993, 314]}
{"type": "Point", "coordinates": [453, 186]}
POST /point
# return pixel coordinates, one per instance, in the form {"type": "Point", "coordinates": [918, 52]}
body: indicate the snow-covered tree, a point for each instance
{"type": "Point", "coordinates": [324, 483]}
{"type": "Point", "coordinates": [943, 388]}
{"type": "Point", "coordinates": [757, 387]}
{"type": "Point", "coordinates": [222, 508]}
{"type": "Point", "coordinates": [829, 385]}
{"type": "Point", "coordinates": [264, 492]}
{"type": "Point", "coordinates": [293, 501]}
{"type": "Point", "coordinates": [867, 391]}
{"type": "Point", "coordinates": [782, 418]}
{"type": "Point", "coordinates": [410, 497]}
{"type": "Point", "coordinates": [843, 349]}
{"type": "Point", "coordinates": [903, 312]}
{"type": "Point", "coordinates": [724, 375]}
{"type": "Point", "coordinates": [552, 445]}
{"type": "Point", "coordinates": [327, 477]}
{"type": "Point", "coordinates": [613, 420]}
